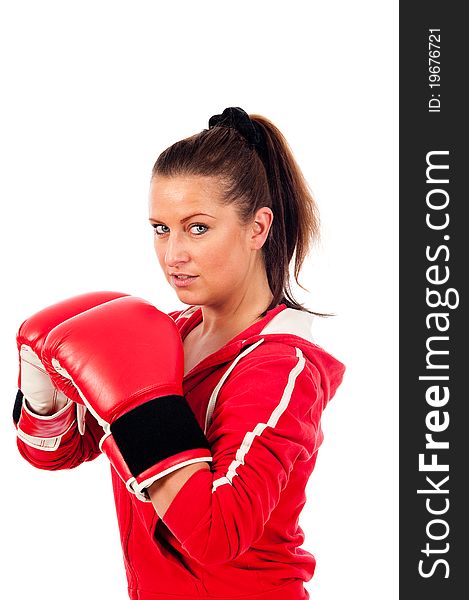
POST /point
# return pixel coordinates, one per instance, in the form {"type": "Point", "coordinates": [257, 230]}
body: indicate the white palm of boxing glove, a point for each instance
{"type": "Point", "coordinates": [38, 390]}
{"type": "Point", "coordinates": [41, 396]}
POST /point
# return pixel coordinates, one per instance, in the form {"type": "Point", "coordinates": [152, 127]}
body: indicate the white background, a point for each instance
{"type": "Point", "coordinates": [92, 92]}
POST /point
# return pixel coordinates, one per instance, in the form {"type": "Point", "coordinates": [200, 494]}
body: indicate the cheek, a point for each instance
{"type": "Point", "coordinates": [160, 253]}
{"type": "Point", "coordinates": [230, 258]}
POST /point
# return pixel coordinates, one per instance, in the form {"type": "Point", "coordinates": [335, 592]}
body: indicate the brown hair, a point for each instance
{"type": "Point", "coordinates": [251, 183]}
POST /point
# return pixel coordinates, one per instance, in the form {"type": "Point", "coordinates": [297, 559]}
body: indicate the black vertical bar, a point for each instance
{"type": "Point", "coordinates": [434, 254]}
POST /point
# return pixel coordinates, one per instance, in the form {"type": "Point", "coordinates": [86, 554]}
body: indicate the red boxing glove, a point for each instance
{"type": "Point", "coordinates": [124, 360]}
{"type": "Point", "coordinates": [43, 413]}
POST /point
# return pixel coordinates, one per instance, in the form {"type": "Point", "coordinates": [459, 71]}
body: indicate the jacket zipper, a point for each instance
{"type": "Point", "coordinates": [134, 581]}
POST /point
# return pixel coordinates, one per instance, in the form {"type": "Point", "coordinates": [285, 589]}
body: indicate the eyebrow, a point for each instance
{"type": "Point", "coordinates": [186, 218]}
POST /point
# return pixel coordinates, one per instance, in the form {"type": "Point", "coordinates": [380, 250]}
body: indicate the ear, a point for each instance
{"type": "Point", "coordinates": [260, 227]}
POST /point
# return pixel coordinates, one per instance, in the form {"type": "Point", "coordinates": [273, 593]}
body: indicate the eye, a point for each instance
{"type": "Point", "coordinates": [198, 228]}
{"type": "Point", "coordinates": [157, 229]}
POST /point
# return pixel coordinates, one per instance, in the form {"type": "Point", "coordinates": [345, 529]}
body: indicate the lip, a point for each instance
{"type": "Point", "coordinates": [182, 282]}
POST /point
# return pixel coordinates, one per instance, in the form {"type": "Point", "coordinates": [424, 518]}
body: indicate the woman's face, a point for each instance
{"type": "Point", "coordinates": [206, 254]}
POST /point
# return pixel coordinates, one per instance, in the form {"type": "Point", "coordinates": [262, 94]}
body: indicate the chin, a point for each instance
{"type": "Point", "coordinates": [187, 297]}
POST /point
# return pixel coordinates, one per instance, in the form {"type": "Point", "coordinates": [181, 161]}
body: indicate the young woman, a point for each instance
{"type": "Point", "coordinates": [212, 510]}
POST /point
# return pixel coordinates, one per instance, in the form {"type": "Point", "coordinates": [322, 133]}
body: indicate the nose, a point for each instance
{"type": "Point", "coordinates": [175, 251]}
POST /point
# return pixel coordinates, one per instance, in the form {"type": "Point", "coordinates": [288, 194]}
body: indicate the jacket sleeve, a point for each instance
{"type": "Point", "coordinates": [266, 419]}
{"type": "Point", "coordinates": [72, 448]}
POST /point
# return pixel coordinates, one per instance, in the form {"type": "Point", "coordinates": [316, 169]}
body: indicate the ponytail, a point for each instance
{"type": "Point", "coordinates": [296, 219]}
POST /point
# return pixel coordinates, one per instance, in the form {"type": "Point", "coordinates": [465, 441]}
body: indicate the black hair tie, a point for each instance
{"type": "Point", "coordinates": [238, 119]}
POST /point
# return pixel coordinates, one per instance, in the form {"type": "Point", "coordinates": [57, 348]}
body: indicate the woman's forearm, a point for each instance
{"type": "Point", "coordinates": [163, 491]}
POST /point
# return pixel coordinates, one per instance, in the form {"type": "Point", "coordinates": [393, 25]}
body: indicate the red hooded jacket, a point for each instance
{"type": "Point", "coordinates": [232, 531]}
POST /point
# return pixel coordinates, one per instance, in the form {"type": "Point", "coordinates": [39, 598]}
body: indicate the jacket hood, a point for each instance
{"type": "Point", "coordinates": [295, 328]}
{"type": "Point", "coordinates": [281, 324]}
